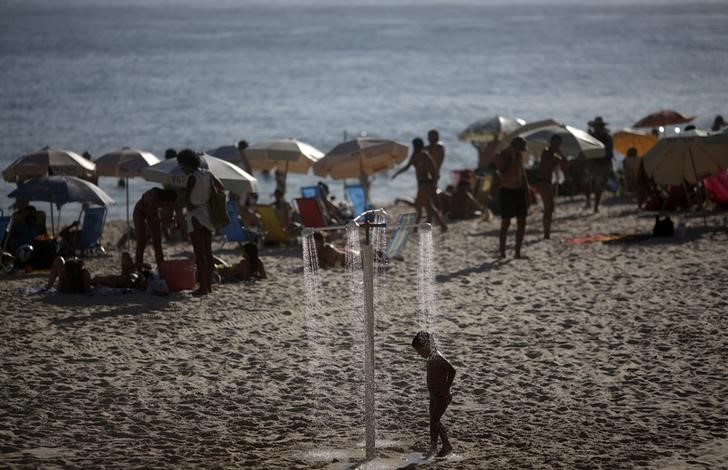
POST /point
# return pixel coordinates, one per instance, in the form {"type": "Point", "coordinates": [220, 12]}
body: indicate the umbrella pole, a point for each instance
{"type": "Point", "coordinates": [128, 226]}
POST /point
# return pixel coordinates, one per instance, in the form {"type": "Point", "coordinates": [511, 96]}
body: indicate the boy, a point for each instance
{"type": "Point", "coordinates": [440, 374]}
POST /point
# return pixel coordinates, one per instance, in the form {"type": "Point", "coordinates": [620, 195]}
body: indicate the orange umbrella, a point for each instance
{"type": "Point", "coordinates": [665, 117]}
{"type": "Point", "coordinates": [625, 138]}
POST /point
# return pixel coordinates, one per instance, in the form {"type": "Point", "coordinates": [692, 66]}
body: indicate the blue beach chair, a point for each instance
{"type": "Point", "coordinates": [92, 228]}
{"type": "Point", "coordinates": [311, 192]}
{"type": "Point", "coordinates": [400, 234]}
{"type": "Point", "coordinates": [358, 198]}
{"type": "Point", "coordinates": [234, 231]}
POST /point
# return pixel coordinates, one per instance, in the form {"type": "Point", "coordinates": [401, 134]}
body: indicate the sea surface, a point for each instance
{"type": "Point", "coordinates": [95, 76]}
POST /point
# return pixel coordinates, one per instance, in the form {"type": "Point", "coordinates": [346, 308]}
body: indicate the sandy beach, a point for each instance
{"type": "Point", "coordinates": [593, 355]}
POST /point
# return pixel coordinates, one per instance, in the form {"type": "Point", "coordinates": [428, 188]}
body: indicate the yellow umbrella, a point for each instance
{"type": "Point", "coordinates": [627, 137]}
{"type": "Point", "coordinates": [360, 157]}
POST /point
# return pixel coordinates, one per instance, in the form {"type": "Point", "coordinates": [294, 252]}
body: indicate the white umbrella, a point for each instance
{"type": "Point", "coordinates": [289, 155]}
{"type": "Point", "coordinates": [674, 160]}
{"type": "Point", "coordinates": [125, 163]}
{"type": "Point", "coordinates": [232, 176]}
{"type": "Point", "coordinates": [574, 142]}
{"type": "Point", "coordinates": [49, 161]}
{"type": "Point", "coordinates": [486, 130]}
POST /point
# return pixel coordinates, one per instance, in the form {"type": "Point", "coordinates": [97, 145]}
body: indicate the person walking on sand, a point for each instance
{"type": "Point", "coordinates": [426, 173]}
{"type": "Point", "coordinates": [436, 149]}
{"type": "Point", "coordinates": [551, 159]}
{"type": "Point", "coordinates": [197, 198]}
{"type": "Point", "coordinates": [440, 375]}
{"type": "Point", "coordinates": [513, 193]}
{"type": "Point", "coordinates": [599, 171]}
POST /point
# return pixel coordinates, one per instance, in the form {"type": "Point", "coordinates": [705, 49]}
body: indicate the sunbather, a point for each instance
{"type": "Point", "coordinates": [249, 268]}
{"type": "Point", "coordinates": [329, 256]}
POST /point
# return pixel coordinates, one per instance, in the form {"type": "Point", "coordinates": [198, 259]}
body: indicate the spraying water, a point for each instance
{"type": "Point", "coordinates": [426, 298]}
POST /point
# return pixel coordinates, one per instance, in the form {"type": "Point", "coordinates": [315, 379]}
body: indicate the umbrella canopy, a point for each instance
{"type": "Point", "coordinates": [674, 160]}
{"type": "Point", "coordinates": [360, 157]}
{"type": "Point", "coordinates": [486, 130]}
{"type": "Point", "coordinates": [61, 190]}
{"type": "Point", "coordinates": [574, 142]}
{"type": "Point", "coordinates": [125, 163]}
{"type": "Point", "coordinates": [289, 155]}
{"type": "Point", "coordinates": [627, 137]}
{"type": "Point", "coordinates": [49, 161]}
{"type": "Point", "coordinates": [232, 176]}
{"type": "Point", "coordinates": [663, 118]}
{"type": "Point", "coordinates": [229, 153]}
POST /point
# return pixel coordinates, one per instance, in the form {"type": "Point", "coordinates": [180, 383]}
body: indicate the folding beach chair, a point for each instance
{"type": "Point", "coordinates": [91, 230]}
{"type": "Point", "coordinates": [311, 192]}
{"type": "Point", "coordinates": [357, 197]}
{"type": "Point", "coordinates": [400, 234]}
{"type": "Point", "coordinates": [272, 224]}
{"type": "Point", "coordinates": [310, 212]}
{"type": "Point", "coordinates": [235, 231]}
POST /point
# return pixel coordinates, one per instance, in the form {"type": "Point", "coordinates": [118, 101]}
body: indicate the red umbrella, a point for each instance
{"type": "Point", "coordinates": [666, 117]}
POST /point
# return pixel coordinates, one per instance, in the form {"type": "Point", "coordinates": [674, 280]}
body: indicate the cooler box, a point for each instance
{"type": "Point", "coordinates": [179, 274]}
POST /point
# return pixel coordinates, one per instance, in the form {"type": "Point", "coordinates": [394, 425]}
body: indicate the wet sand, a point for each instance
{"type": "Point", "coordinates": [608, 355]}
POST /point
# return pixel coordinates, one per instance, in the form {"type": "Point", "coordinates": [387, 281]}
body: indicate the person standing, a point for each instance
{"type": "Point", "coordinates": [244, 162]}
{"type": "Point", "coordinates": [551, 159]}
{"type": "Point", "coordinates": [436, 149]}
{"type": "Point", "coordinates": [513, 193]}
{"type": "Point", "coordinates": [198, 191]}
{"type": "Point", "coordinates": [599, 170]}
{"type": "Point", "coordinates": [426, 173]}
{"type": "Point", "coordinates": [147, 222]}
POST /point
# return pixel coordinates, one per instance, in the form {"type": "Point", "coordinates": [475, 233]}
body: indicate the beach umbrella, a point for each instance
{"type": "Point", "coordinates": [47, 161]}
{"type": "Point", "coordinates": [232, 176]}
{"type": "Point", "coordinates": [125, 163]}
{"type": "Point", "coordinates": [486, 130]}
{"type": "Point", "coordinates": [229, 153]}
{"type": "Point", "coordinates": [359, 157]}
{"type": "Point", "coordinates": [289, 155]}
{"type": "Point", "coordinates": [665, 117]}
{"type": "Point", "coordinates": [627, 137]}
{"type": "Point", "coordinates": [574, 142]}
{"type": "Point", "coordinates": [690, 158]}
{"type": "Point", "coordinates": [60, 190]}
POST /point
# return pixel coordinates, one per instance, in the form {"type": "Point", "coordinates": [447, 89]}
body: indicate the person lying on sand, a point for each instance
{"type": "Point", "coordinates": [74, 278]}
{"type": "Point", "coordinates": [329, 256]}
{"type": "Point", "coordinates": [440, 375]}
{"type": "Point", "coordinates": [250, 268]}
{"type": "Point", "coordinates": [130, 278]}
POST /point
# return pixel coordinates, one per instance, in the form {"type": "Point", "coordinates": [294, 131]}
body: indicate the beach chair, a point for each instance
{"type": "Point", "coordinates": [235, 231]}
{"type": "Point", "coordinates": [358, 198]}
{"type": "Point", "coordinates": [400, 234]}
{"type": "Point", "coordinates": [311, 192]}
{"type": "Point", "coordinates": [272, 224]}
{"type": "Point", "coordinates": [92, 228]}
{"type": "Point", "coordinates": [310, 212]}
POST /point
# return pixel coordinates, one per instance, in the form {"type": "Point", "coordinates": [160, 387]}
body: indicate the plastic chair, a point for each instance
{"type": "Point", "coordinates": [311, 192]}
{"type": "Point", "coordinates": [234, 231]}
{"type": "Point", "coordinates": [310, 212]}
{"type": "Point", "coordinates": [358, 198]}
{"type": "Point", "coordinates": [400, 234]}
{"type": "Point", "coordinates": [92, 228]}
{"type": "Point", "coordinates": [272, 224]}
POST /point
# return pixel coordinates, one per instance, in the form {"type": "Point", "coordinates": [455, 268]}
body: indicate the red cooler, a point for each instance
{"type": "Point", "coordinates": [178, 273]}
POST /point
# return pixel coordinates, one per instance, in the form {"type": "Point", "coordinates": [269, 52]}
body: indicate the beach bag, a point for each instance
{"type": "Point", "coordinates": [218, 208]}
{"type": "Point", "coordinates": [663, 227]}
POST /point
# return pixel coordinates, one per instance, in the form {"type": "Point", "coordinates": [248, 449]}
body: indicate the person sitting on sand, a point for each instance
{"type": "Point", "coordinates": [250, 268]}
{"type": "Point", "coordinates": [72, 276]}
{"type": "Point", "coordinates": [463, 204]}
{"type": "Point", "coordinates": [329, 256]}
{"type": "Point", "coordinates": [440, 375]}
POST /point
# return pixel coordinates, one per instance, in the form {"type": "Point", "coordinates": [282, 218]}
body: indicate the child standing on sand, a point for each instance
{"type": "Point", "coordinates": [440, 374]}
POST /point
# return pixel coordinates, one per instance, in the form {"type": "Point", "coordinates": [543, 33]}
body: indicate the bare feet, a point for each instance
{"type": "Point", "coordinates": [502, 255]}
{"type": "Point", "coordinates": [446, 449]}
{"type": "Point", "coordinates": [200, 292]}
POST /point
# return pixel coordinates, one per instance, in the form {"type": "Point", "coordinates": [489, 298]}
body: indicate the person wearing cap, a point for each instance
{"type": "Point", "coordinates": [513, 193]}
{"type": "Point", "coordinates": [598, 171]}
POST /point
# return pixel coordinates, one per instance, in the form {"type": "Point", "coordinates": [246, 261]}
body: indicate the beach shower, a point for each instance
{"type": "Point", "coordinates": [366, 263]}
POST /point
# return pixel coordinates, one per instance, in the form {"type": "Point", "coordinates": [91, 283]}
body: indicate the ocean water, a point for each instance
{"type": "Point", "coordinates": [95, 76]}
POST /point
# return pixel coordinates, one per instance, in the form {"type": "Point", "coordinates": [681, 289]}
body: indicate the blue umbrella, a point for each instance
{"type": "Point", "coordinates": [61, 190]}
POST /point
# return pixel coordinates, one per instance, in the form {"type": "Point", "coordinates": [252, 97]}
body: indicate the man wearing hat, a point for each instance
{"type": "Point", "coordinates": [513, 193]}
{"type": "Point", "coordinates": [598, 172]}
